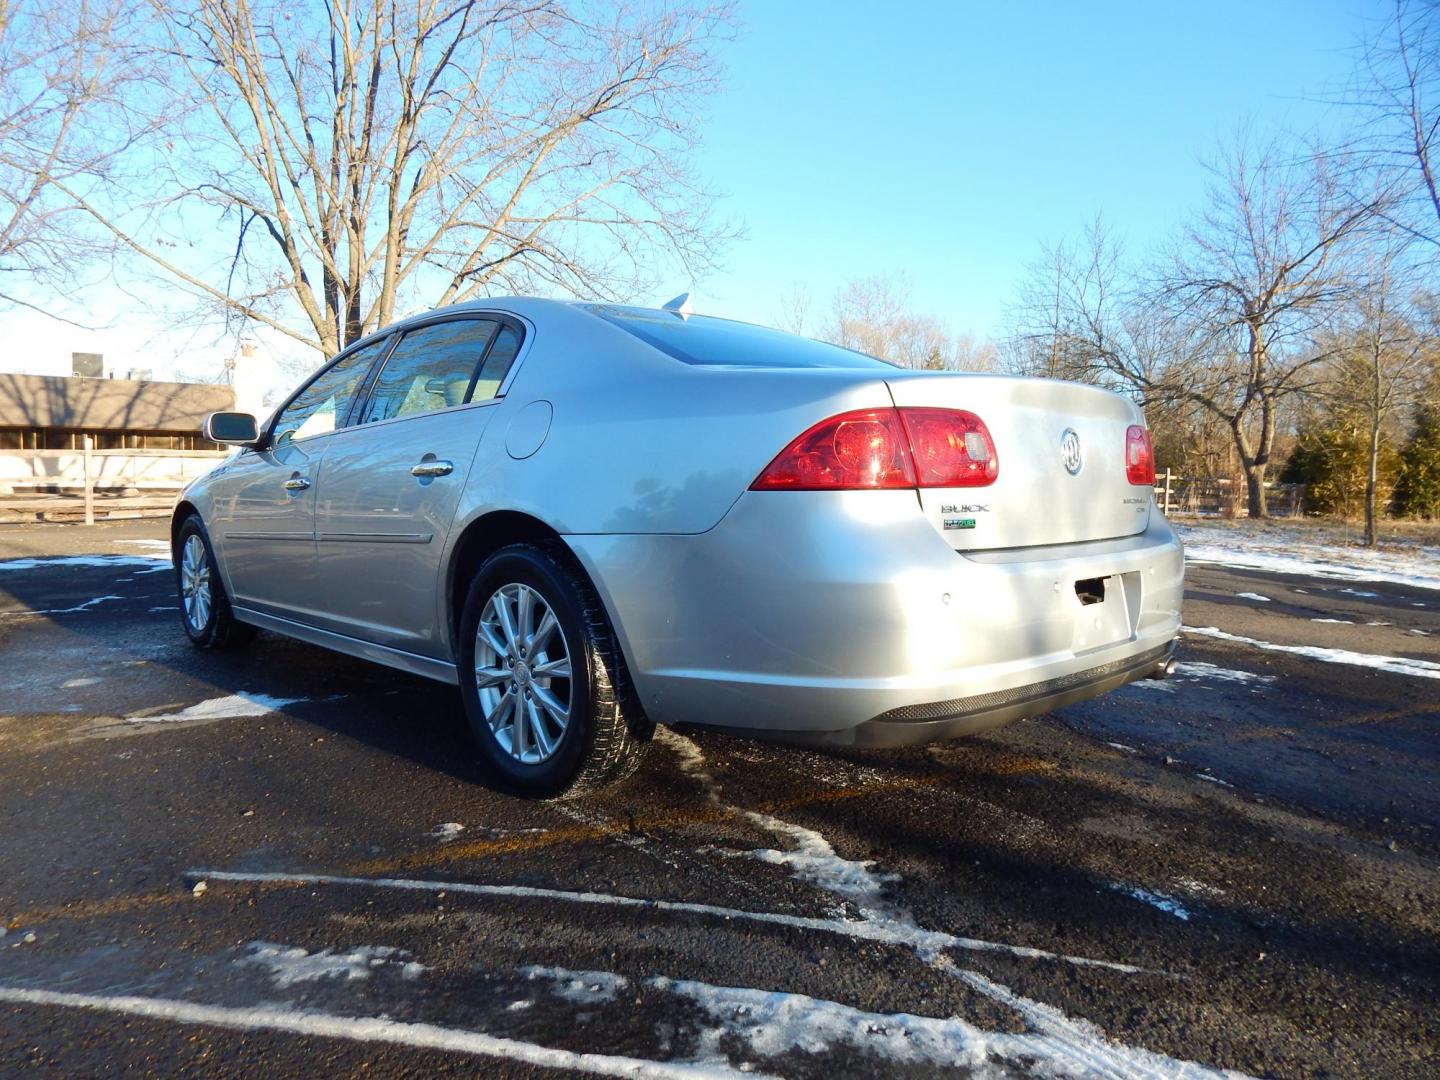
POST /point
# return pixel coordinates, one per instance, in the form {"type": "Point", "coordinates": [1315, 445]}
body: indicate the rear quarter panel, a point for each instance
{"type": "Point", "coordinates": [639, 442]}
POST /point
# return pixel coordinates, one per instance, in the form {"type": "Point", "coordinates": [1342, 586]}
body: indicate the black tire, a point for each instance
{"type": "Point", "coordinates": [606, 733]}
{"type": "Point", "coordinates": [218, 629]}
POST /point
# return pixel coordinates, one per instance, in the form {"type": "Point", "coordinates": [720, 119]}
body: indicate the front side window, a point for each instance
{"type": "Point", "coordinates": [323, 405]}
{"type": "Point", "coordinates": [432, 368]}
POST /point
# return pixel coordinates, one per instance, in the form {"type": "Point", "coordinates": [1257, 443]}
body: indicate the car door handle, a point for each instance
{"type": "Point", "coordinates": [432, 468]}
{"type": "Point", "coordinates": [297, 483]}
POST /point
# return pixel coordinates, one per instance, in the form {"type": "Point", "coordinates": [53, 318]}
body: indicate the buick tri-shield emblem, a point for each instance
{"type": "Point", "coordinates": [1070, 451]}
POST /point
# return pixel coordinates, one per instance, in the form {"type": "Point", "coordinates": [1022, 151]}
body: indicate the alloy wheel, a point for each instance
{"type": "Point", "coordinates": [195, 583]}
{"type": "Point", "coordinates": [522, 673]}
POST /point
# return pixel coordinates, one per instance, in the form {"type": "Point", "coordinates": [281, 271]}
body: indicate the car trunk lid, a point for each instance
{"type": "Point", "coordinates": [1038, 497]}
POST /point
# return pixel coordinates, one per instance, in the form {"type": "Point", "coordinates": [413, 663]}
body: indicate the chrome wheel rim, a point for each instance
{"type": "Point", "coordinates": [522, 673]}
{"type": "Point", "coordinates": [195, 583]}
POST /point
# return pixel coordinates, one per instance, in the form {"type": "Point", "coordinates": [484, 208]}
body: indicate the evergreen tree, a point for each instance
{"type": "Point", "coordinates": [1332, 459]}
{"type": "Point", "coordinates": [1418, 493]}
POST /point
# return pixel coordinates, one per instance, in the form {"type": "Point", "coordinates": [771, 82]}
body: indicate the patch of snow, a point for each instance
{"type": "Point", "coordinates": [160, 547]}
{"type": "Point", "coordinates": [1078, 1048]}
{"type": "Point", "coordinates": [1189, 671]}
{"type": "Point", "coordinates": [368, 1029]}
{"type": "Point", "coordinates": [813, 860]}
{"type": "Point", "coordinates": [447, 831]}
{"type": "Point", "coordinates": [1253, 596]}
{"type": "Point", "coordinates": [1199, 887]}
{"type": "Point", "coordinates": [71, 684]}
{"type": "Point", "coordinates": [773, 1023]}
{"type": "Point", "coordinates": [1213, 779]}
{"type": "Point", "coordinates": [86, 606]}
{"type": "Point", "coordinates": [1167, 904]}
{"type": "Point", "coordinates": [1163, 686]}
{"type": "Point", "coordinates": [290, 965]}
{"type": "Point", "coordinates": [1340, 622]}
{"type": "Point", "coordinates": [1122, 746]}
{"type": "Point", "coordinates": [1199, 669]}
{"type": "Point", "coordinates": [581, 987]}
{"type": "Point", "coordinates": [692, 761]}
{"type": "Point", "coordinates": [232, 707]}
{"type": "Point", "coordinates": [1361, 592]}
{"type": "Point", "coordinates": [46, 562]}
{"type": "Point", "coordinates": [1422, 633]}
{"type": "Point", "coordinates": [1398, 665]}
{"type": "Point", "coordinates": [1301, 552]}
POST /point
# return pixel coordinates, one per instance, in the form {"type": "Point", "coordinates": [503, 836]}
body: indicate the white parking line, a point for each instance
{"type": "Point", "coordinates": [927, 943]}
{"type": "Point", "coordinates": [1398, 665]}
{"type": "Point", "coordinates": [369, 1029]}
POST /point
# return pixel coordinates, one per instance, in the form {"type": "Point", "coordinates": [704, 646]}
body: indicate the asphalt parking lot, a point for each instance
{"type": "Point", "coordinates": [282, 862]}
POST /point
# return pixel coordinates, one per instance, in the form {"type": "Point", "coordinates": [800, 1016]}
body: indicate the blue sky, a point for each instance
{"type": "Point", "coordinates": [949, 141]}
{"type": "Point", "coordinates": [944, 141]}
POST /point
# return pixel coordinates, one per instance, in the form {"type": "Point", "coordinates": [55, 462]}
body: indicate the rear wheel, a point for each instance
{"type": "Point", "coordinates": [204, 607]}
{"type": "Point", "coordinates": [545, 689]}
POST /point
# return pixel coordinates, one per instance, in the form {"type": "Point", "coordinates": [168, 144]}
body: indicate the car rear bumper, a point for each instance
{"type": "Point", "coordinates": [911, 724]}
{"type": "Point", "coordinates": [847, 618]}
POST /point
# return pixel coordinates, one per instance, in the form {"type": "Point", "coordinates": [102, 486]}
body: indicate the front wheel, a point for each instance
{"type": "Point", "coordinates": [545, 688]}
{"type": "Point", "coordinates": [204, 607]}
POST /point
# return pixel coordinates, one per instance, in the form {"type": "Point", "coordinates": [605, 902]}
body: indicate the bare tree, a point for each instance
{"type": "Point", "coordinates": [1399, 98]}
{"type": "Point", "coordinates": [62, 66]}
{"type": "Point", "coordinates": [792, 310]}
{"type": "Point", "coordinates": [1074, 308]}
{"type": "Point", "coordinates": [1258, 276]}
{"type": "Point", "coordinates": [1229, 319]}
{"type": "Point", "coordinates": [366, 158]}
{"type": "Point", "coordinates": [1380, 357]}
{"type": "Point", "coordinates": [873, 315]}
{"type": "Point", "coordinates": [967, 353]}
{"type": "Point", "coordinates": [870, 314]}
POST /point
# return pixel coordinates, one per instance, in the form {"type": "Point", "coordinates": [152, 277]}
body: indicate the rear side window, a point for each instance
{"type": "Point", "coordinates": [703, 340]}
{"type": "Point", "coordinates": [497, 364]}
{"type": "Point", "coordinates": [431, 368]}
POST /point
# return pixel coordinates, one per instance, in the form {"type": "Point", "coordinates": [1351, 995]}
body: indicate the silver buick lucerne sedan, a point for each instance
{"type": "Point", "coordinates": [594, 518]}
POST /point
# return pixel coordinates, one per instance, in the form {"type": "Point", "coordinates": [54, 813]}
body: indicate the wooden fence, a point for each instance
{"type": "Point", "coordinates": [1213, 497]}
{"type": "Point", "coordinates": [89, 470]}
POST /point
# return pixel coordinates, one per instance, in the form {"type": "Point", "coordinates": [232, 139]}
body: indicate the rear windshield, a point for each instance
{"type": "Point", "coordinates": [701, 339]}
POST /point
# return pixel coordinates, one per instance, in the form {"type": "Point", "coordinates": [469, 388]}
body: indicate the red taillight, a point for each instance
{"type": "Point", "coordinates": [1139, 457]}
{"type": "Point", "coordinates": [886, 448]}
{"type": "Point", "coordinates": [864, 449]}
{"type": "Point", "coordinates": [951, 447]}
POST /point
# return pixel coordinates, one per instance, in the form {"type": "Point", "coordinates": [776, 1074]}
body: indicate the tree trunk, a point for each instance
{"type": "Point", "coordinates": [1371, 483]}
{"type": "Point", "coordinates": [1255, 490]}
{"type": "Point", "coordinates": [1254, 463]}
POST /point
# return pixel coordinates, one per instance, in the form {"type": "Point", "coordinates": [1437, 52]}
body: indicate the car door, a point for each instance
{"type": "Point", "coordinates": [265, 515]}
{"type": "Point", "coordinates": [393, 480]}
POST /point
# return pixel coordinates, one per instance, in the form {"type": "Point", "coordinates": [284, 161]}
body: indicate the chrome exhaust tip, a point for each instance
{"type": "Point", "coordinates": [1164, 669]}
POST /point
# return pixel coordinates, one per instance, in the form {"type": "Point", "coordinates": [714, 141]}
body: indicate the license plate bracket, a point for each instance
{"type": "Point", "coordinates": [1104, 611]}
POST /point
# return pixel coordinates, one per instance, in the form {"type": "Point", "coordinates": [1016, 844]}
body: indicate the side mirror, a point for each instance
{"type": "Point", "coordinates": [234, 428]}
